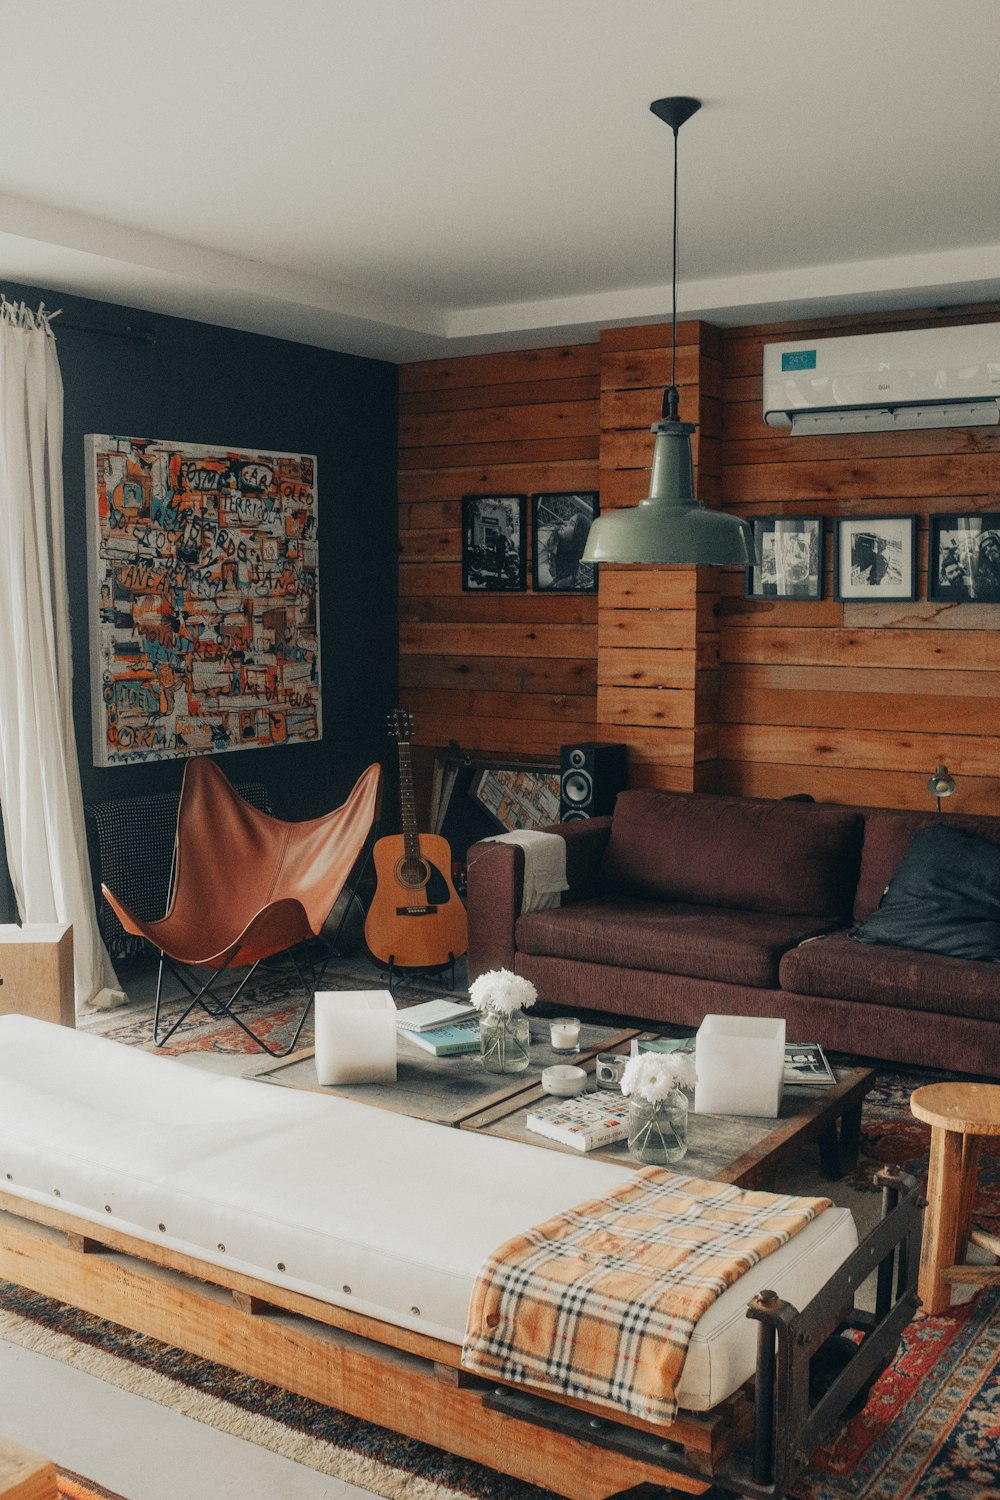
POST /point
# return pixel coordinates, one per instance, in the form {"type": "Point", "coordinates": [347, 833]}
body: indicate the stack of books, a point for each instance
{"type": "Point", "coordinates": [586, 1122]}
{"type": "Point", "coordinates": [445, 1028]}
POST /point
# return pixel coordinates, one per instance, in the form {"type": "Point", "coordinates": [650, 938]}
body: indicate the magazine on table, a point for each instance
{"type": "Point", "coordinates": [588, 1121]}
{"type": "Point", "coordinates": [448, 1041]}
{"type": "Point", "coordinates": [431, 1013]}
{"type": "Point", "coordinates": [805, 1063]}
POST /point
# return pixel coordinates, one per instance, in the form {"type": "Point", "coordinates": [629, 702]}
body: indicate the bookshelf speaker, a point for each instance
{"type": "Point", "coordinates": [590, 778]}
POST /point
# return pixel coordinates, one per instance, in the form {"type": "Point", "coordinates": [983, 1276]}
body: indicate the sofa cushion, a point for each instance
{"type": "Point", "coordinates": [789, 858]}
{"type": "Point", "coordinates": [838, 968]}
{"type": "Point", "coordinates": [944, 898]}
{"type": "Point", "coordinates": [701, 942]}
{"type": "Point", "coordinates": [888, 835]}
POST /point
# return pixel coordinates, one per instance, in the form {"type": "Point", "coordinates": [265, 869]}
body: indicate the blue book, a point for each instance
{"type": "Point", "coordinates": [448, 1041]}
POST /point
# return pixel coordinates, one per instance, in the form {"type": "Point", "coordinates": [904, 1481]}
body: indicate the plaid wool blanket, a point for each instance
{"type": "Point", "coordinates": [600, 1302]}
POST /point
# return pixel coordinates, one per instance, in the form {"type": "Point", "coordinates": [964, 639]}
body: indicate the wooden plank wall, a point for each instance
{"type": "Point", "coordinates": [857, 702]}
{"type": "Point", "coordinates": [500, 674]}
{"type": "Point", "coordinates": [852, 703]}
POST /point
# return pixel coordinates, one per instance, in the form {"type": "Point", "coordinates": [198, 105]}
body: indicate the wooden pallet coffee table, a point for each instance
{"type": "Point", "coordinates": [741, 1149]}
{"type": "Point", "coordinates": [448, 1090]}
{"type": "Point", "coordinates": [458, 1091]}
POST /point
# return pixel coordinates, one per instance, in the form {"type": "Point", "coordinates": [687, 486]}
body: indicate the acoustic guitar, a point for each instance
{"type": "Point", "coordinates": [416, 919]}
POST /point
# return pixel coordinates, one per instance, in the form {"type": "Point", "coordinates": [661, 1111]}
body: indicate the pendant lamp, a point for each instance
{"type": "Point", "coordinates": [671, 525]}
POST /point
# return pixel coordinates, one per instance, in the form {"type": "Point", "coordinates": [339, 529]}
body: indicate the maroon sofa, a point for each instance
{"type": "Point", "coordinates": [685, 904]}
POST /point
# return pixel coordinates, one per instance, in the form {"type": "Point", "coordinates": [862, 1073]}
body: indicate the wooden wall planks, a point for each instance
{"type": "Point", "coordinates": [506, 674]}
{"type": "Point", "coordinates": [710, 690]}
{"type": "Point", "coordinates": [856, 702]}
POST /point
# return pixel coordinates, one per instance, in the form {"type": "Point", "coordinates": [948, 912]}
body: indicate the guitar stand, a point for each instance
{"type": "Point", "coordinates": [399, 977]}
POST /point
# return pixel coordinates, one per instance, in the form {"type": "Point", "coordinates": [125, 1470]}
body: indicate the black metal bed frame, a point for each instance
{"type": "Point", "coordinates": [810, 1374]}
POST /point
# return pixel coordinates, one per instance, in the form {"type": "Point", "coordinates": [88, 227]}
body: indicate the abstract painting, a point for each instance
{"type": "Point", "coordinates": [204, 604]}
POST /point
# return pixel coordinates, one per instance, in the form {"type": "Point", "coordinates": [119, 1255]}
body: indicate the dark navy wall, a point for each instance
{"type": "Point", "coordinates": [200, 383]}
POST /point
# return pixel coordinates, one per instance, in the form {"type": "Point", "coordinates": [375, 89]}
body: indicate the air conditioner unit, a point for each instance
{"type": "Point", "coordinates": [885, 382]}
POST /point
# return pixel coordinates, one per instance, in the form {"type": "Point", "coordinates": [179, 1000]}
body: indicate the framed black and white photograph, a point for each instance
{"type": "Point", "coordinates": [875, 558]}
{"type": "Point", "coordinates": [963, 559]}
{"type": "Point", "coordinates": [494, 544]}
{"type": "Point", "coordinates": [790, 549]}
{"type": "Point", "coordinates": [560, 525]}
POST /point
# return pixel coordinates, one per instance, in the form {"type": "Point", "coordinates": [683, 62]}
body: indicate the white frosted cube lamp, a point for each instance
{"type": "Point", "coordinates": [740, 1061]}
{"type": "Point", "coordinates": [355, 1036]}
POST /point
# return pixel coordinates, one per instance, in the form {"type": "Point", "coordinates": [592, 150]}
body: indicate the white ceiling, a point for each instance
{"type": "Point", "coordinates": [415, 178]}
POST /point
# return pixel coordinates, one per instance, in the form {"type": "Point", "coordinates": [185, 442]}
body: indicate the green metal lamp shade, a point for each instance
{"type": "Point", "coordinates": [670, 526]}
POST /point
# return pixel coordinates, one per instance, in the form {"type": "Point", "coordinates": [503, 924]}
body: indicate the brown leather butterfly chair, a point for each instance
{"type": "Point", "coordinates": [247, 887]}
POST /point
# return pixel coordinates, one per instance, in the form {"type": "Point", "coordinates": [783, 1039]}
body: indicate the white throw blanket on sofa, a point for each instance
{"type": "Point", "coordinates": [544, 866]}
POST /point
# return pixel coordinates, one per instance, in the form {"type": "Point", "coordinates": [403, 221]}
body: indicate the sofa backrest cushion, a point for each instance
{"type": "Point", "coordinates": [792, 858]}
{"type": "Point", "coordinates": [888, 835]}
{"type": "Point", "coordinates": [944, 898]}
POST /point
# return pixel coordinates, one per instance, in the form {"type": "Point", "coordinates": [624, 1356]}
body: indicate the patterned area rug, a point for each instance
{"type": "Point", "coordinates": [75, 1487]}
{"type": "Point", "coordinates": [931, 1428]}
{"type": "Point", "coordinates": [271, 1008]}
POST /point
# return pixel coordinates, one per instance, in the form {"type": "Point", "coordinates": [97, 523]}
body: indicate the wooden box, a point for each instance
{"type": "Point", "coordinates": [36, 972]}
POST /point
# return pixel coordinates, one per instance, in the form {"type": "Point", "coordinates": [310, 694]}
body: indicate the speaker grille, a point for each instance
{"type": "Point", "coordinates": [592, 776]}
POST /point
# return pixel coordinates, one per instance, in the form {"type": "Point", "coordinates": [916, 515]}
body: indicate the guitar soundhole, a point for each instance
{"type": "Point", "coordinates": [413, 872]}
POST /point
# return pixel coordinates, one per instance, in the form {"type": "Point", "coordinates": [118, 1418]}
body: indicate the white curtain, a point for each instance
{"type": "Point", "coordinates": [40, 795]}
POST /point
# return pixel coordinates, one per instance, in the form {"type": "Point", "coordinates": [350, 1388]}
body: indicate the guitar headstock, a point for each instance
{"type": "Point", "coordinates": [400, 725]}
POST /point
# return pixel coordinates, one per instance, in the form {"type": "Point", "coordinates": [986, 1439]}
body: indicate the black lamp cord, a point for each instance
{"type": "Point", "coordinates": [673, 343]}
{"type": "Point", "coordinates": [669, 409]}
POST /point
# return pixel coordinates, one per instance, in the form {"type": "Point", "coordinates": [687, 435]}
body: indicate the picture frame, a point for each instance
{"type": "Point", "coordinates": [494, 544]}
{"type": "Point", "coordinates": [875, 558]}
{"type": "Point", "coordinates": [194, 542]}
{"type": "Point", "coordinates": [963, 558]}
{"type": "Point", "coordinates": [560, 524]}
{"type": "Point", "coordinates": [790, 549]}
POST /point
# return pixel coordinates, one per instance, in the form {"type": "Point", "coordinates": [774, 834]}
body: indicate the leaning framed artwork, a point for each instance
{"type": "Point", "coordinates": [790, 549]}
{"type": "Point", "coordinates": [963, 559]}
{"type": "Point", "coordinates": [874, 558]}
{"type": "Point", "coordinates": [494, 544]}
{"type": "Point", "coordinates": [204, 603]}
{"type": "Point", "coordinates": [560, 525]}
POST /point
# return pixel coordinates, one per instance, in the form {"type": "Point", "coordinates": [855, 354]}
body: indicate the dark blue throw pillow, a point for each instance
{"type": "Point", "coordinates": [944, 898]}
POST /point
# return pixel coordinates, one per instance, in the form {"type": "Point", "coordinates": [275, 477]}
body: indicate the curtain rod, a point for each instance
{"type": "Point", "coordinates": [134, 335]}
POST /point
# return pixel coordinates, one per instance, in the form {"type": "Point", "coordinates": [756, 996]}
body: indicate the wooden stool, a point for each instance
{"type": "Point", "coordinates": [25, 1475]}
{"type": "Point", "coordinates": [959, 1115]}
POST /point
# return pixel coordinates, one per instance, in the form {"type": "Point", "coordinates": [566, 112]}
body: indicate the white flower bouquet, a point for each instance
{"type": "Point", "coordinates": [504, 1034]}
{"type": "Point", "coordinates": [502, 992]}
{"type": "Point", "coordinates": [658, 1111]}
{"type": "Point", "coordinates": [652, 1075]}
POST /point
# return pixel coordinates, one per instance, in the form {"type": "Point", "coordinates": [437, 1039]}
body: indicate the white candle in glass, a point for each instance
{"type": "Point", "coordinates": [565, 1031]}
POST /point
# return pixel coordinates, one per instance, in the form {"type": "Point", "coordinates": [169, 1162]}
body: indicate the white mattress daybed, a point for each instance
{"type": "Point", "coordinates": [363, 1219]}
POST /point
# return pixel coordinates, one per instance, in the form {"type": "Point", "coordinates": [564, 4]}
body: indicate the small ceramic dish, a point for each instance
{"type": "Point", "coordinates": [564, 1080]}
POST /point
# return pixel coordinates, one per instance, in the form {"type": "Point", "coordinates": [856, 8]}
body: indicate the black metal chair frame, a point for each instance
{"type": "Point", "coordinates": [222, 1007]}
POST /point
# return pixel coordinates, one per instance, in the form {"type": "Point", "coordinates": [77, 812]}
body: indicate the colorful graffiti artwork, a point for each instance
{"type": "Point", "coordinates": [204, 606]}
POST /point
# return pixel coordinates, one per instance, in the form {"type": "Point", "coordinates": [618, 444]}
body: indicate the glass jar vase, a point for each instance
{"type": "Point", "coordinates": [658, 1133]}
{"type": "Point", "coordinates": [504, 1041]}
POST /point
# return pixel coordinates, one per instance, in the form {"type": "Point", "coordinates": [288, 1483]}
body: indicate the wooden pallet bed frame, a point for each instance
{"type": "Point", "coordinates": [755, 1444]}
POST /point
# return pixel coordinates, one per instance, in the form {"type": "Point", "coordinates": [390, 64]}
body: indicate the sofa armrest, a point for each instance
{"type": "Point", "coordinates": [495, 888]}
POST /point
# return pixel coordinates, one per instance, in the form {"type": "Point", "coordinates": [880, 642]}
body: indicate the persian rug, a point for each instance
{"type": "Point", "coordinates": [930, 1431]}
{"type": "Point", "coordinates": [75, 1487]}
{"type": "Point", "coordinates": [931, 1428]}
{"type": "Point", "coordinates": [271, 1005]}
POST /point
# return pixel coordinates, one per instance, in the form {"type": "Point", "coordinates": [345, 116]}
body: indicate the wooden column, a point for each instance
{"type": "Point", "coordinates": [658, 631]}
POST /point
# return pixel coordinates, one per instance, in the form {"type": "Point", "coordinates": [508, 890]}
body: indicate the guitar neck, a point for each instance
{"type": "Point", "coordinates": [407, 803]}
